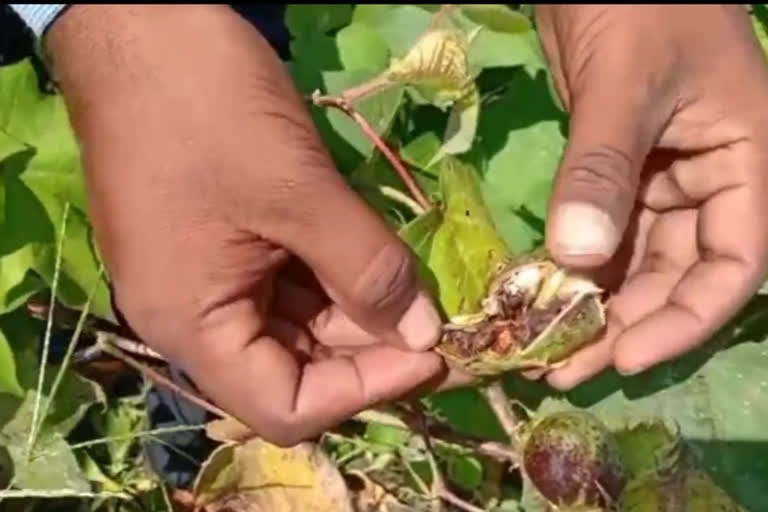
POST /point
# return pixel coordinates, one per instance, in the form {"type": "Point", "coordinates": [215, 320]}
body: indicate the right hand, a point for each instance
{"type": "Point", "coordinates": [234, 246]}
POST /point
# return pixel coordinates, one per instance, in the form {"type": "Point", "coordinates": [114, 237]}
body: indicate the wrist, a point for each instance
{"type": "Point", "coordinates": [109, 44]}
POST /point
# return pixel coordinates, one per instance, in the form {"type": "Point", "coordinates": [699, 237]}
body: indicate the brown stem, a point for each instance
{"type": "Point", "coordinates": [103, 339]}
{"type": "Point", "coordinates": [369, 88]}
{"type": "Point", "coordinates": [410, 182]}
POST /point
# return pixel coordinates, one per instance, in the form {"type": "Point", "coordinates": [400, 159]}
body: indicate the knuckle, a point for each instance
{"type": "Point", "coordinates": [287, 431]}
{"type": "Point", "coordinates": [388, 281]}
{"type": "Point", "coordinates": [606, 171]}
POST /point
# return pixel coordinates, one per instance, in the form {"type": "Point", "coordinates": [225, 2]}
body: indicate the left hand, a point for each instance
{"type": "Point", "coordinates": [664, 182]}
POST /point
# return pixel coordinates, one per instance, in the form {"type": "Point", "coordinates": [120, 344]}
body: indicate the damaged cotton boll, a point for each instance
{"type": "Point", "coordinates": [534, 315]}
{"type": "Point", "coordinates": [574, 462]}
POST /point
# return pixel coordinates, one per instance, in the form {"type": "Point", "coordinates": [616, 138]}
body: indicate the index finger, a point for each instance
{"type": "Point", "coordinates": [733, 249]}
{"type": "Point", "coordinates": [286, 401]}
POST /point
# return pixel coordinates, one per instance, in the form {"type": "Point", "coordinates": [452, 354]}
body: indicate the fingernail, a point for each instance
{"type": "Point", "coordinates": [420, 326]}
{"type": "Point", "coordinates": [584, 229]}
{"type": "Point", "coordinates": [629, 372]}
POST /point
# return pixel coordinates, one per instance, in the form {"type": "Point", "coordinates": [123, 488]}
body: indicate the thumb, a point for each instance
{"type": "Point", "coordinates": [364, 267]}
{"type": "Point", "coordinates": [611, 135]}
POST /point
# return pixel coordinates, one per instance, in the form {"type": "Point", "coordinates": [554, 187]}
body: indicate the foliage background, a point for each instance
{"type": "Point", "coordinates": [716, 395]}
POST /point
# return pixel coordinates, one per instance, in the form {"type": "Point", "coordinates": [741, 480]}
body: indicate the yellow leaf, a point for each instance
{"type": "Point", "coordinates": [257, 476]}
{"type": "Point", "coordinates": [437, 66]}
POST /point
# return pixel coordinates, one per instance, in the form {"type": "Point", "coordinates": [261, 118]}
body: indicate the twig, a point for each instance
{"type": "Point", "coordinates": [124, 344]}
{"type": "Point", "coordinates": [439, 487]}
{"type": "Point", "coordinates": [369, 88]}
{"type": "Point", "coordinates": [103, 339]}
{"type": "Point", "coordinates": [342, 104]}
{"type": "Point", "coordinates": [501, 452]}
{"type": "Point", "coordinates": [497, 399]}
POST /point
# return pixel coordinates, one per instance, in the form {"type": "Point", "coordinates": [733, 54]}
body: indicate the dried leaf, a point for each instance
{"type": "Point", "coordinates": [258, 476]}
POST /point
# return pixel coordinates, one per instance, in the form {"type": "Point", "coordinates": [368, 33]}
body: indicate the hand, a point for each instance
{"type": "Point", "coordinates": [663, 185]}
{"type": "Point", "coordinates": [233, 245]}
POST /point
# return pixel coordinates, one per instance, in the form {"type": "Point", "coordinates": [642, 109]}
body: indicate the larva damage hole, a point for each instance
{"type": "Point", "coordinates": [533, 303]}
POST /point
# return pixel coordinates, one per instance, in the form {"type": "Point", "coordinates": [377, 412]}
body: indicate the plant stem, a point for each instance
{"type": "Point", "coordinates": [402, 198]}
{"type": "Point", "coordinates": [439, 488]}
{"type": "Point", "coordinates": [103, 339]}
{"type": "Point", "coordinates": [342, 104]}
{"type": "Point", "coordinates": [369, 88]}
{"type": "Point", "coordinates": [499, 402]}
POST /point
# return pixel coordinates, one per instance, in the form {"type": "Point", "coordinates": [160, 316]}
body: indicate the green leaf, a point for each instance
{"type": "Point", "coordinates": [39, 181]}
{"type": "Point", "coordinates": [361, 47]}
{"type": "Point", "coordinates": [519, 144]}
{"type": "Point", "coordinates": [400, 26]}
{"type": "Point", "coordinates": [17, 282]}
{"type": "Point", "coordinates": [8, 381]}
{"type": "Point", "coordinates": [760, 24]}
{"type": "Point", "coordinates": [462, 126]}
{"type": "Point", "coordinates": [386, 435]}
{"type": "Point", "coordinates": [420, 152]}
{"type": "Point", "coordinates": [466, 248]}
{"type": "Point", "coordinates": [494, 49]}
{"type": "Point", "coordinates": [52, 465]}
{"type": "Point", "coordinates": [459, 244]}
{"type": "Point", "coordinates": [465, 471]}
{"type": "Point", "coordinates": [497, 17]}
{"type": "Point", "coordinates": [306, 18]}
{"type": "Point", "coordinates": [9, 146]}
{"type": "Point", "coordinates": [467, 411]}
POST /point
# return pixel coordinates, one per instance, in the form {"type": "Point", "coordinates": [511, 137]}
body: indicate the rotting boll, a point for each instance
{"type": "Point", "coordinates": [574, 462]}
{"type": "Point", "coordinates": [534, 315]}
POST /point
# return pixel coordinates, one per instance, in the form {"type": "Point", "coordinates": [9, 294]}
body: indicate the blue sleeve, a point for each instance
{"type": "Point", "coordinates": [38, 17]}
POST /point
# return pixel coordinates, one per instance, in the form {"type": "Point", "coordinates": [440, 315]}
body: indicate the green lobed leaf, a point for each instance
{"type": "Point", "coordinates": [361, 47]}
{"type": "Point", "coordinates": [519, 145]}
{"type": "Point", "coordinates": [39, 181]}
{"type": "Point", "coordinates": [462, 126]}
{"type": "Point", "coordinates": [52, 465]}
{"type": "Point", "coordinates": [399, 25]}
{"type": "Point", "coordinates": [307, 18]}
{"type": "Point", "coordinates": [466, 248]}
{"type": "Point", "coordinates": [497, 17]}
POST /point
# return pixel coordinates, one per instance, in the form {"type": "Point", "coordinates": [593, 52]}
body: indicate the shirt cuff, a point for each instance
{"type": "Point", "coordinates": [38, 17]}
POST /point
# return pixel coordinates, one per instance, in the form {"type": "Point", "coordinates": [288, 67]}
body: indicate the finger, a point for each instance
{"type": "Point", "coordinates": [730, 269]}
{"type": "Point", "coordinates": [665, 251]}
{"type": "Point", "coordinates": [363, 266]}
{"type": "Point", "coordinates": [585, 363]}
{"type": "Point", "coordinates": [286, 402]}
{"type": "Point", "coordinates": [327, 323]}
{"type": "Point", "coordinates": [613, 126]}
